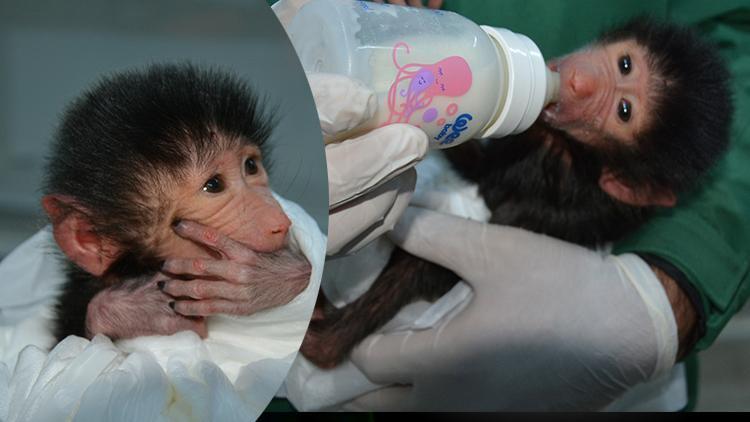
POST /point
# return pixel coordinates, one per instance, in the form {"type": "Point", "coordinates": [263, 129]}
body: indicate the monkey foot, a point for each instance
{"type": "Point", "coordinates": [322, 348]}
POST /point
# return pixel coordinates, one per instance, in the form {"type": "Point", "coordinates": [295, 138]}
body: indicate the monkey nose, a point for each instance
{"type": "Point", "coordinates": [582, 84]}
{"type": "Point", "coordinates": [279, 226]}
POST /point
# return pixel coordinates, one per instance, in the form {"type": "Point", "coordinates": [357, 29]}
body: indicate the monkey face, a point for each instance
{"type": "Point", "coordinates": [229, 193]}
{"type": "Point", "coordinates": [604, 93]}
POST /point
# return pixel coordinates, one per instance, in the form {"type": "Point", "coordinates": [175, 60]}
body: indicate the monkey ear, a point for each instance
{"type": "Point", "coordinates": [74, 234]}
{"type": "Point", "coordinates": [639, 197]}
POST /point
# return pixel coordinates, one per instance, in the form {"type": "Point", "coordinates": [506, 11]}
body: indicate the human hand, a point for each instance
{"type": "Point", "coordinates": [240, 282]}
{"type": "Point", "coordinates": [370, 177]}
{"type": "Point", "coordinates": [551, 325]}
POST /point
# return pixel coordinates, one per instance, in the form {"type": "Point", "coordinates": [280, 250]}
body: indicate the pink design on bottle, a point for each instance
{"type": "Point", "coordinates": [417, 84]}
{"type": "Point", "coordinates": [451, 109]}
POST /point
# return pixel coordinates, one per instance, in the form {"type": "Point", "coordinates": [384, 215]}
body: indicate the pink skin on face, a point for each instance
{"type": "Point", "coordinates": [592, 86]}
{"type": "Point", "coordinates": [242, 207]}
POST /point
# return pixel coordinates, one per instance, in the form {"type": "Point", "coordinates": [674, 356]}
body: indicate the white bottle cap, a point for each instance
{"type": "Point", "coordinates": [525, 83]}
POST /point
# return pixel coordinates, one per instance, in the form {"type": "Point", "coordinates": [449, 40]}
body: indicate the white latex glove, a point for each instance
{"type": "Point", "coordinates": [551, 325]}
{"type": "Point", "coordinates": [370, 177]}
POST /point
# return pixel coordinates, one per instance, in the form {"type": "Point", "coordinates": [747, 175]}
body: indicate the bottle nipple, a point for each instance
{"type": "Point", "coordinates": [553, 88]}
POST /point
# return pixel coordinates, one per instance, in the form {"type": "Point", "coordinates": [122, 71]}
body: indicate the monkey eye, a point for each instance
{"type": "Point", "coordinates": [250, 166]}
{"type": "Point", "coordinates": [625, 64]}
{"type": "Point", "coordinates": [624, 109]}
{"type": "Point", "coordinates": [213, 185]}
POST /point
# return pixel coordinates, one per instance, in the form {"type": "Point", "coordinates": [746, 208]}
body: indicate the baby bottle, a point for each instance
{"type": "Point", "coordinates": [430, 68]}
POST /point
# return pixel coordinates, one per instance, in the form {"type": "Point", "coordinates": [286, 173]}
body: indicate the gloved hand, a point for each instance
{"type": "Point", "coordinates": [370, 177]}
{"type": "Point", "coordinates": [551, 325]}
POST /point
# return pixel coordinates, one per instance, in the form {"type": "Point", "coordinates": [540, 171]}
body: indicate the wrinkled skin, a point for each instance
{"type": "Point", "coordinates": [591, 88]}
{"type": "Point", "coordinates": [226, 242]}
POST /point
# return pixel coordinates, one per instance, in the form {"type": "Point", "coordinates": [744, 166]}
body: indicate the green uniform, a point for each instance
{"type": "Point", "coordinates": [707, 236]}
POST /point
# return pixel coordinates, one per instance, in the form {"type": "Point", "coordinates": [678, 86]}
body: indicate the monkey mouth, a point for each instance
{"type": "Point", "coordinates": [551, 113]}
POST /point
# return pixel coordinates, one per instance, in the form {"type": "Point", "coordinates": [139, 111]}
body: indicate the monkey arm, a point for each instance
{"type": "Point", "coordinates": [685, 314]}
{"type": "Point", "coordinates": [136, 308]}
{"type": "Point", "coordinates": [329, 340]}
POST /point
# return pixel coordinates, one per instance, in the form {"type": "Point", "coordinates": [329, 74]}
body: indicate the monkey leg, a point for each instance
{"type": "Point", "coordinates": [405, 279]}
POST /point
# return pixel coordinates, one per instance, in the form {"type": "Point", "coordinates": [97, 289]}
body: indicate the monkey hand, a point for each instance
{"type": "Point", "coordinates": [325, 343]}
{"type": "Point", "coordinates": [241, 282]}
{"type": "Point", "coordinates": [137, 307]}
{"type": "Point", "coordinates": [550, 325]}
{"type": "Point", "coordinates": [370, 177]}
{"type": "Point", "coordinates": [321, 347]}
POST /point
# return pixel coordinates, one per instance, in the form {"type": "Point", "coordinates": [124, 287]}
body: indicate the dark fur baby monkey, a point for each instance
{"type": "Point", "coordinates": [643, 114]}
{"type": "Point", "coordinates": [159, 198]}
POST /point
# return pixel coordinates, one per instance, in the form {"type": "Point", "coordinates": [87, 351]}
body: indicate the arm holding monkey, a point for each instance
{"type": "Point", "coordinates": [607, 326]}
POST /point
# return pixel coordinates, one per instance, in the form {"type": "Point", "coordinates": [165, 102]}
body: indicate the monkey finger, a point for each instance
{"type": "Point", "coordinates": [205, 289]}
{"type": "Point", "coordinates": [178, 323]}
{"type": "Point", "coordinates": [200, 267]}
{"type": "Point", "coordinates": [212, 238]}
{"type": "Point", "coordinates": [209, 307]}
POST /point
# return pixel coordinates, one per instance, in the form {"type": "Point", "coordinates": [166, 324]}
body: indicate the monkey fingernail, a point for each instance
{"type": "Point", "coordinates": [161, 284]}
{"type": "Point", "coordinates": [171, 305]}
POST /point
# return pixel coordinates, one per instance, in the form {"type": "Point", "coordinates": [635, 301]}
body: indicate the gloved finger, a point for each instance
{"type": "Point", "coordinates": [343, 103]}
{"type": "Point", "coordinates": [388, 399]}
{"type": "Point", "coordinates": [394, 358]}
{"type": "Point", "coordinates": [361, 164]}
{"type": "Point", "coordinates": [359, 222]}
{"type": "Point", "coordinates": [452, 242]}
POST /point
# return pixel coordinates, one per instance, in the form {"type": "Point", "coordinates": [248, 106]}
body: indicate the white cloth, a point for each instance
{"type": "Point", "coordinates": [438, 188]}
{"type": "Point", "coordinates": [231, 375]}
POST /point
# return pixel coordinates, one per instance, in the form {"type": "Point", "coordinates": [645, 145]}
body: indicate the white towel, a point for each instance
{"type": "Point", "coordinates": [232, 375]}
